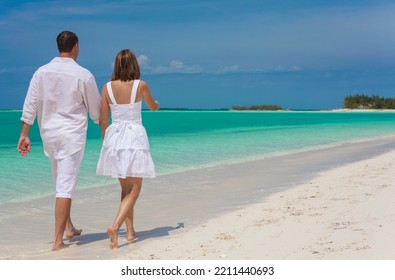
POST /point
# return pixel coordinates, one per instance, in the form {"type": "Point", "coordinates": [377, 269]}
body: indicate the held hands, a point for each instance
{"type": "Point", "coordinates": [24, 145]}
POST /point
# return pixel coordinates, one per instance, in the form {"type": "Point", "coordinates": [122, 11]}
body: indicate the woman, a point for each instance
{"type": "Point", "coordinates": [125, 152]}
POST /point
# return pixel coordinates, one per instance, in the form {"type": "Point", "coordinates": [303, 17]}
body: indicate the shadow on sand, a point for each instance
{"type": "Point", "coordinates": [84, 239]}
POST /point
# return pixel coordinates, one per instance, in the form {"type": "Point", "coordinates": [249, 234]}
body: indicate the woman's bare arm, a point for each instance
{"type": "Point", "coordinates": [105, 111]}
{"type": "Point", "coordinates": [152, 104]}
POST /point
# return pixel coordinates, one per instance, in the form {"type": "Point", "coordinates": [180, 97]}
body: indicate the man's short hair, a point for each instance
{"type": "Point", "coordinates": [66, 41]}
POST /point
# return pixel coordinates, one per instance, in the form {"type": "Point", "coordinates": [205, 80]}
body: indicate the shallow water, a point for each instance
{"type": "Point", "coordinates": [189, 140]}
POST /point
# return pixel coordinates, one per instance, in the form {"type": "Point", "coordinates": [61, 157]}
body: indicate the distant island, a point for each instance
{"type": "Point", "coordinates": [374, 102]}
{"type": "Point", "coordinates": [257, 108]}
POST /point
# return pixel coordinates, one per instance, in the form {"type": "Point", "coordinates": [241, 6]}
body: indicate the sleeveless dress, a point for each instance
{"type": "Point", "coordinates": [125, 150]}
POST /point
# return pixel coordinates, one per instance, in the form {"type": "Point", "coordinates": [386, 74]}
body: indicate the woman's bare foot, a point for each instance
{"type": "Point", "coordinates": [74, 232]}
{"type": "Point", "coordinates": [59, 246]}
{"type": "Point", "coordinates": [131, 236]}
{"type": "Point", "coordinates": [113, 234]}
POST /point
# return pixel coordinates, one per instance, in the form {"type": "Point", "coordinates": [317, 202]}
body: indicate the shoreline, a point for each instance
{"type": "Point", "coordinates": [227, 162]}
{"type": "Point", "coordinates": [174, 209]}
{"type": "Point", "coordinates": [234, 110]}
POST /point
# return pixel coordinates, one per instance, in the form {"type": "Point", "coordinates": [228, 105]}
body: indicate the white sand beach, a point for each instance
{"type": "Point", "coordinates": [341, 209]}
{"type": "Point", "coordinates": [342, 214]}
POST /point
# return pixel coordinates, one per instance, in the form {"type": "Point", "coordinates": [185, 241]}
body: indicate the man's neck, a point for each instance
{"type": "Point", "coordinates": [68, 55]}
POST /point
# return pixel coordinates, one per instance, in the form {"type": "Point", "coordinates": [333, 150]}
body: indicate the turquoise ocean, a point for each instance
{"type": "Point", "coordinates": [185, 140]}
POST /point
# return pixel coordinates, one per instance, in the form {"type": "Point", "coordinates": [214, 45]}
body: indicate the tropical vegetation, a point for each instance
{"type": "Point", "coordinates": [362, 101]}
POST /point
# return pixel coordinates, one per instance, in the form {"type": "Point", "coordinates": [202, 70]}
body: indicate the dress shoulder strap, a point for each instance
{"type": "Point", "coordinates": [134, 91]}
{"type": "Point", "coordinates": [110, 93]}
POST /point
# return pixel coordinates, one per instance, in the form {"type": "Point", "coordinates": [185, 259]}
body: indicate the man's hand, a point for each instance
{"type": "Point", "coordinates": [24, 145]}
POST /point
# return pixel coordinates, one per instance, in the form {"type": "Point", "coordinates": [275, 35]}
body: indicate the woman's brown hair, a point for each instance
{"type": "Point", "coordinates": [126, 67]}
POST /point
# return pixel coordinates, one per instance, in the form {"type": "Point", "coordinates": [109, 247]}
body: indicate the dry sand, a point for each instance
{"type": "Point", "coordinates": [343, 214]}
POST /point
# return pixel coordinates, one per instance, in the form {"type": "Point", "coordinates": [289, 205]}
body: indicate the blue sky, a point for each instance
{"type": "Point", "coordinates": [212, 54]}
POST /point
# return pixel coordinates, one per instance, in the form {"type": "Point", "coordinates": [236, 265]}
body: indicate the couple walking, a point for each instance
{"type": "Point", "coordinates": [60, 95]}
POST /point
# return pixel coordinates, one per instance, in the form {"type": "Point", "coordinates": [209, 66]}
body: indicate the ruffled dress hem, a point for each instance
{"type": "Point", "coordinates": [125, 163]}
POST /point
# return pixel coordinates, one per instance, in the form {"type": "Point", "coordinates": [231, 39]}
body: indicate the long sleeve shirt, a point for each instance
{"type": "Point", "coordinates": [60, 95]}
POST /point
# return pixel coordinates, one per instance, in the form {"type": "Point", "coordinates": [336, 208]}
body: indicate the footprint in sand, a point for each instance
{"type": "Point", "coordinates": [223, 236]}
{"type": "Point", "coordinates": [262, 222]}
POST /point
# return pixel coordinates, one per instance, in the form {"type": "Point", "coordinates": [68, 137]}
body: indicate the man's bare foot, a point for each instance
{"type": "Point", "coordinates": [74, 232]}
{"type": "Point", "coordinates": [57, 247]}
{"type": "Point", "coordinates": [113, 234]}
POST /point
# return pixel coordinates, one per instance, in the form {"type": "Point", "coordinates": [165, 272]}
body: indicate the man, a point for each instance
{"type": "Point", "coordinates": [60, 95]}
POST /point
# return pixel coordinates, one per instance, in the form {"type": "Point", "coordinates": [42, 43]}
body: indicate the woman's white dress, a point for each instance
{"type": "Point", "coordinates": [125, 151]}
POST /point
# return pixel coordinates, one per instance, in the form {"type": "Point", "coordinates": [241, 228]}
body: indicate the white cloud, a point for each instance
{"type": "Point", "coordinates": [228, 69]}
{"type": "Point", "coordinates": [178, 66]}
{"type": "Point", "coordinates": [144, 61]}
{"type": "Point", "coordinates": [293, 68]}
{"type": "Point", "coordinates": [175, 66]}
